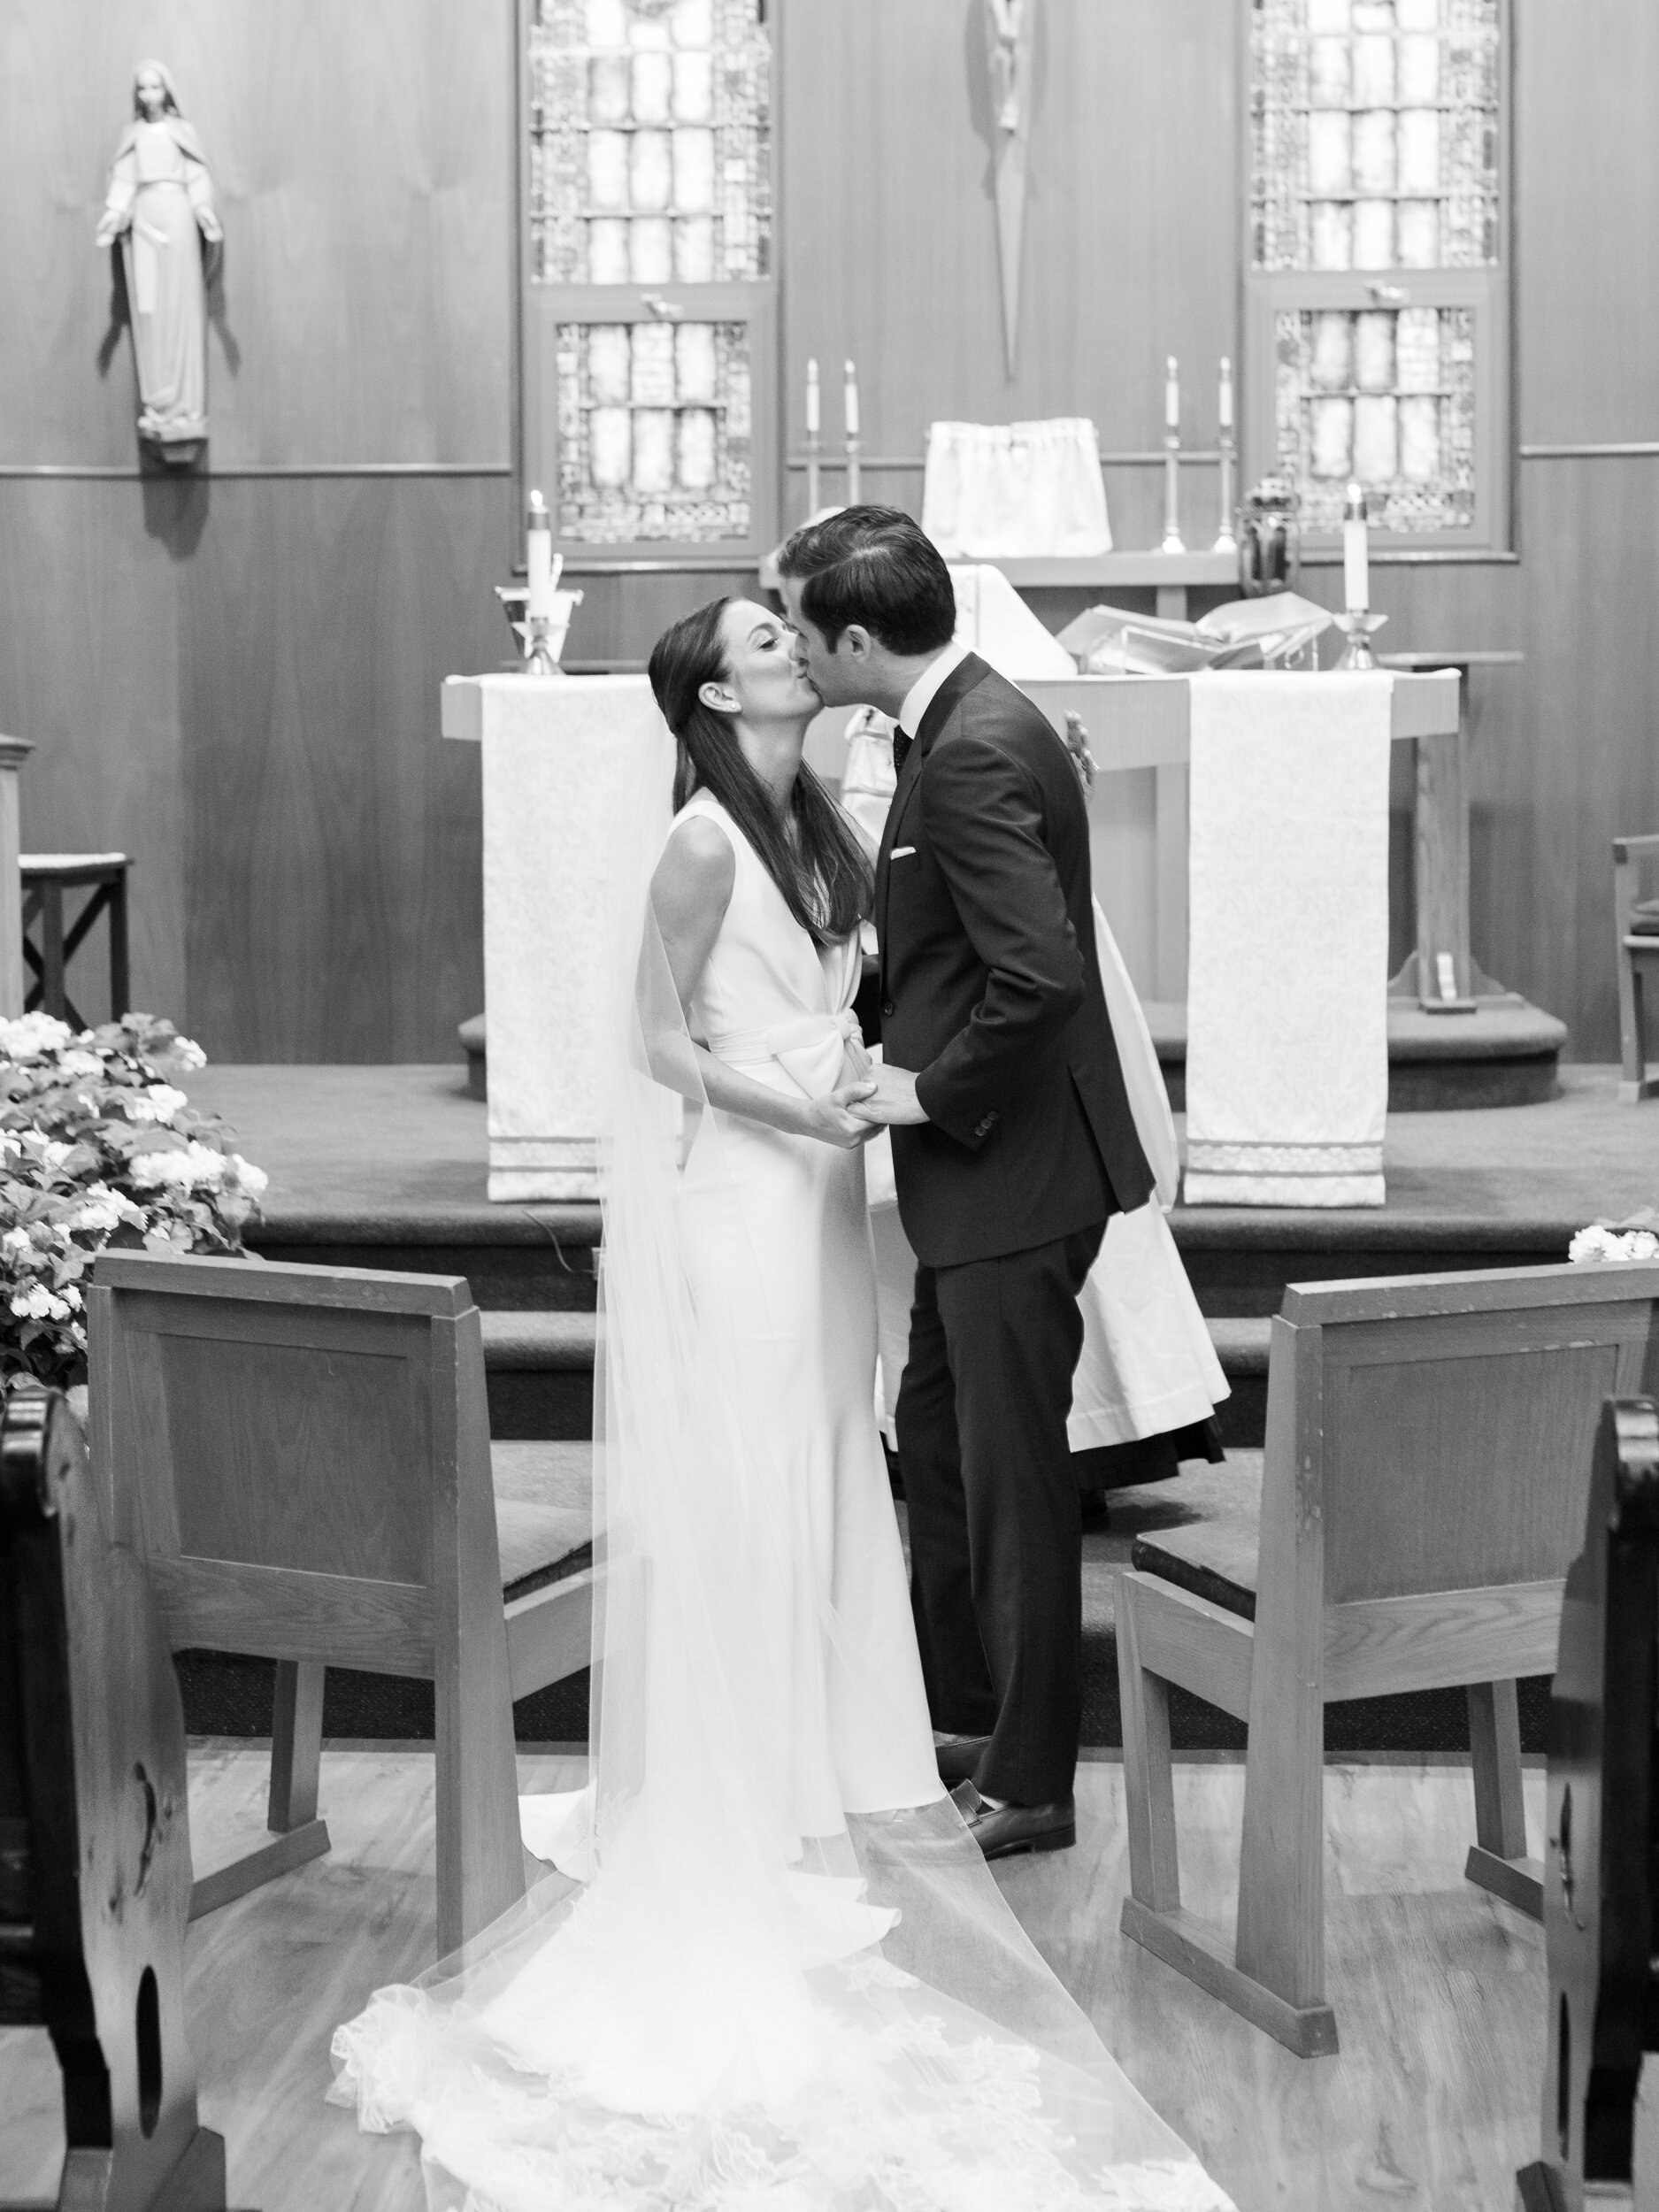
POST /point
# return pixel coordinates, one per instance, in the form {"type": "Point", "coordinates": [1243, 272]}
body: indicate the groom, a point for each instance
{"type": "Point", "coordinates": [1013, 1141]}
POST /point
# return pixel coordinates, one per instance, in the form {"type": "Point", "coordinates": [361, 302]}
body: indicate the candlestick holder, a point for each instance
{"type": "Point", "coordinates": [814, 476]}
{"type": "Point", "coordinates": [1359, 627]}
{"type": "Point", "coordinates": [539, 656]}
{"type": "Point", "coordinates": [1172, 540]}
{"type": "Point", "coordinates": [855, 495]}
{"type": "Point", "coordinates": [1226, 542]}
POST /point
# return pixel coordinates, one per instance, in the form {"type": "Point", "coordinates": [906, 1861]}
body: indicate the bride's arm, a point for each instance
{"type": "Point", "coordinates": [690, 892]}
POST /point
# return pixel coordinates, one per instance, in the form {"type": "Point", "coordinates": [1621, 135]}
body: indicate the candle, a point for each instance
{"type": "Point", "coordinates": [539, 559]}
{"type": "Point", "coordinates": [811, 399]}
{"type": "Point", "coordinates": [1226, 392]}
{"type": "Point", "coordinates": [1356, 565]}
{"type": "Point", "coordinates": [850, 394]}
{"type": "Point", "coordinates": [1171, 396]}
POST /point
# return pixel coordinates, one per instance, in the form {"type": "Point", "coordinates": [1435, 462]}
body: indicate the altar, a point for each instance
{"type": "Point", "coordinates": [552, 749]}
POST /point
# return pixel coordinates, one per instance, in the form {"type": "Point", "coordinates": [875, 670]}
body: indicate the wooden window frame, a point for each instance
{"type": "Point", "coordinates": [1486, 289]}
{"type": "Point", "coordinates": [540, 309]}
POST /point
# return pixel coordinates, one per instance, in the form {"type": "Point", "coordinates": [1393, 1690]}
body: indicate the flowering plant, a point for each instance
{"type": "Point", "coordinates": [1635, 1238]}
{"type": "Point", "coordinates": [99, 1150]}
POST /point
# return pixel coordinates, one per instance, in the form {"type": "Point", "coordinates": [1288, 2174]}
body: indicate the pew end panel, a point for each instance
{"type": "Point", "coordinates": [94, 1850]}
{"type": "Point", "coordinates": [1602, 1888]}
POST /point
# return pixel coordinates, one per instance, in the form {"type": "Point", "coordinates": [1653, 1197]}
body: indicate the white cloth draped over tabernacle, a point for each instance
{"type": "Point", "coordinates": [1004, 491]}
{"type": "Point", "coordinates": [1286, 995]}
{"type": "Point", "coordinates": [781, 1973]}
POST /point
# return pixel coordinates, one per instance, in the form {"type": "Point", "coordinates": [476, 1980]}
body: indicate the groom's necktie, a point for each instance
{"type": "Point", "coordinates": [901, 743]}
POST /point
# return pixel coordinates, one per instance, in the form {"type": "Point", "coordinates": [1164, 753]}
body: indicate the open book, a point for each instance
{"type": "Point", "coordinates": [1266, 633]}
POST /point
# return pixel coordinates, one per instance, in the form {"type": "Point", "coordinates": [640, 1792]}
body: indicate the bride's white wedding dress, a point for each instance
{"type": "Point", "coordinates": [776, 1971]}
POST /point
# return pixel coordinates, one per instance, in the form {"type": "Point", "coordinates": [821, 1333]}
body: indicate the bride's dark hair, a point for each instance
{"type": "Point", "coordinates": [822, 869]}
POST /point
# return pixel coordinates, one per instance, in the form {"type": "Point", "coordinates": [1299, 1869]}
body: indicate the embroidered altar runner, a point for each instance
{"type": "Point", "coordinates": [1287, 1000]}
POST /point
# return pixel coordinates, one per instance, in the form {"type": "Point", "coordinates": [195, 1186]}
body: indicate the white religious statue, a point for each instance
{"type": "Point", "coordinates": [1007, 24]}
{"type": "Point", "coordinates": [160, 206]}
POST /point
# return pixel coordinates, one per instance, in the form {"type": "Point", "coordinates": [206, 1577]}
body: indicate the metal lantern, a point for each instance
{"type": "Point", "coordinates": [1270, 539]}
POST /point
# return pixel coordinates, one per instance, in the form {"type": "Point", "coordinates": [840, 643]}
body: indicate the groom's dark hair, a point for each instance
{"type": "Point", "coordinates": [873, 565]}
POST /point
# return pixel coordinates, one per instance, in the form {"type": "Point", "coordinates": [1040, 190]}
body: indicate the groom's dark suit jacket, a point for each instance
{"type": "Point", "coordinates": [991, 988]}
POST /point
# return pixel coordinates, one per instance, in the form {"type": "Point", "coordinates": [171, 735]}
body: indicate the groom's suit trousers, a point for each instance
{"type": "Point", "coordinates": [996, 1535]}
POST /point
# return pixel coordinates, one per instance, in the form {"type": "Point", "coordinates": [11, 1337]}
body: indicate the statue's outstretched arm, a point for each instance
{"type": "Point", "coordinates": [118, 201]}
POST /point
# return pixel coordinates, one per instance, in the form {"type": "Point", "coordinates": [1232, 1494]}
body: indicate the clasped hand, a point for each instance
{"type": "Point", "coordinates": [872, 1097]}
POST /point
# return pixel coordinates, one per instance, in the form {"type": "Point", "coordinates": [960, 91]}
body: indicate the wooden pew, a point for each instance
{"type": "Point", "coordinates": [1602, 1884]}
{"type": "Point", "coordinates": [95, 1836]}
{"type": "Point", "coordinates": [1422, 1493]}
{"type": "Point", "coordinates": [301, 1455]}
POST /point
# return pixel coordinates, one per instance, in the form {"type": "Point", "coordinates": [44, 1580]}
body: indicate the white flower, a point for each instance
{"type": "Point", "coordinates": [1599, 1243]}
{"type": "Point", "coordinates": [1593, 1243]}
{"type": "Point", "coordinates": [194, 1167]}
{"type": "Point", "coordinates": [32, 1037]}
{"type": "Point", "coordinates": [103, 1208]}
{"type": "Point", "coordinates": [187, 1052]}
{"type": "Point", "coordinates": [253, 1180]}
{"type": "Point", "coordinates": [17, 1241]}
{"type": "Point", "coordinates": [165, 1102]}
{"type": "Point", "coordinates": [82, 1063]}
{"type": "Point", "coordinates": [37, 1304]}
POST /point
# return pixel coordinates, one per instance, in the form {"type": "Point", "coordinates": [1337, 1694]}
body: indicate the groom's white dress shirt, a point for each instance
{"type": "Point", "coordinates": [922, 692]}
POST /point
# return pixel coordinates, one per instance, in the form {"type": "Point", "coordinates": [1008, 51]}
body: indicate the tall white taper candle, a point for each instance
{"type": "Point", "coordinates": [539, 559]}
{"type": "Point", "coordinates": [1355, 558]}
{"type": "Point", "coordinates": [1226, 392]}
{"type": "Point", "coordinates": [811, 400]}
{"type": "Point", "coordinates": [850, 398]}
{"type": "Point", "coordinates": [1171, 396]}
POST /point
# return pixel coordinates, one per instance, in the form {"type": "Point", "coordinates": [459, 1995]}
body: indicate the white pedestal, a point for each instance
{"type": "Point", "coordinates": [554, 752]}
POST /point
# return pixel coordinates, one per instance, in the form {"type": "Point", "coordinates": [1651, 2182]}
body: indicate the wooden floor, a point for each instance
{"type": "Point", "coordinates": [1439, 1993]}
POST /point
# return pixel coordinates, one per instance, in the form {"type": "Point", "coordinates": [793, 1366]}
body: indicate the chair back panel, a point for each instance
{"type": "Point", "coordinates": [301, 1456]}
{"type": "Point", "coordinates": [1456, 1447]}
{"type": "Point", "coordinates": [267, 1437]}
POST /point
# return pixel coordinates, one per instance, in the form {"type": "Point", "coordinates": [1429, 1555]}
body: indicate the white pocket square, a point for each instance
{"type": "Point", "coordinates": [900, 852]}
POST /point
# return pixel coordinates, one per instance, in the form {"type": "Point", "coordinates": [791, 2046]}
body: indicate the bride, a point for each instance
{"type": "Point", "coordinates": [771, 1968]}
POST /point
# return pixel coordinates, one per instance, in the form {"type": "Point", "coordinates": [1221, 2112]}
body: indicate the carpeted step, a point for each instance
{"type": "Point", "coordinates": [540, 1371]}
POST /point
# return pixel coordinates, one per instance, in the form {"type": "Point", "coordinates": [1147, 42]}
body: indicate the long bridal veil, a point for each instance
{"type": "Point", "coordinates": [739, 1994]}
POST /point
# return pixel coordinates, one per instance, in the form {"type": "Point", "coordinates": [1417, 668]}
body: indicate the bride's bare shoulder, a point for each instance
{"type": "Point", "coordinates": [696, 870]}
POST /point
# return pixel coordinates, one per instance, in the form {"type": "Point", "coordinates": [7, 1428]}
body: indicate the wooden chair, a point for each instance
{"type": "Point", "coordinates": [302, 1457]}
{"type": "Point", "coordinates": [1422, 1493]}
{"type": "Point", "coordinates": [45, 876]}
{"type": "Point", "coordinates": [95, 1836]}
{"type": "Point", "coordinates": [1638, 957]}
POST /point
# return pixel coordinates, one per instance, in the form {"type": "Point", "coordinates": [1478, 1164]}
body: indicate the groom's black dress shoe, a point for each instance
{"type": "Point", "coordinates": [1004, 1831]}
{"type": "Point", "coordinates": [958, 1755]}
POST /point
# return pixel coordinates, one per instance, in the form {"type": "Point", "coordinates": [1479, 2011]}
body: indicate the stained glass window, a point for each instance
{"type": "Point", "coordinates": [1385, 397]}
{"type": "Point", "coordinates": [654, 430]}
{"type": "Point", "coordinates": [648, 129]}
{"type": "Point", "coordinates": [1378, 317]}
{"type": "Point", "coordinates": [1374, 133]}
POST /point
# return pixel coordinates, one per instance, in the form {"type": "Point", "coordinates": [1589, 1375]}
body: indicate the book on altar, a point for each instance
{"type": "Point", "coordinates": [1265, 633]}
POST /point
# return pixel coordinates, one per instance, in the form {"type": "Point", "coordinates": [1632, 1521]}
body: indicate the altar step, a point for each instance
{"type": "Point", "coordinates": [1496, 1052]}
{"type": "Point", "coordinates": [1501, 1052]}
{"type": "Point", "coordinates": [539, 1371]}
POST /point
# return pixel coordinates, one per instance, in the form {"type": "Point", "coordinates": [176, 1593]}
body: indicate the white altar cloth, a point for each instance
{"type": "Point", "coordinates": [554, 751]}
{"type": "Point", "coordinates": [1287, 980]}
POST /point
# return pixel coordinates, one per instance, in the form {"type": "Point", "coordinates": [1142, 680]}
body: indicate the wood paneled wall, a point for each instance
{"type": "Point", "coordinates": [364, 168]}
{"type": "Point", "coordinates": [235, 680]}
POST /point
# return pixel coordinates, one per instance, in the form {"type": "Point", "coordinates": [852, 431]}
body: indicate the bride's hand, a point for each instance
{"type": "Point", "coordinates": [830, 1120]}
